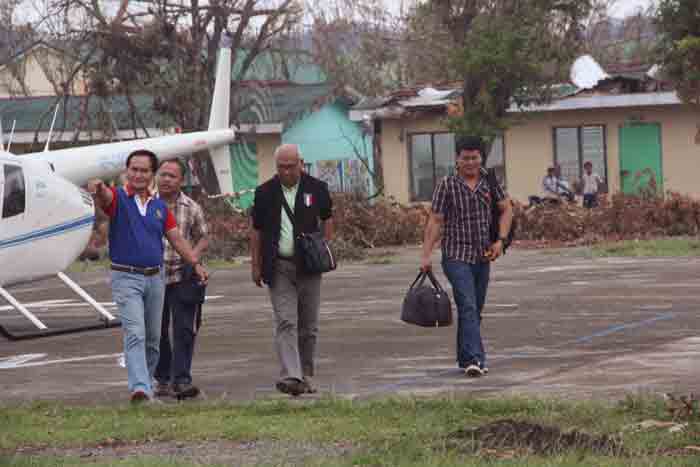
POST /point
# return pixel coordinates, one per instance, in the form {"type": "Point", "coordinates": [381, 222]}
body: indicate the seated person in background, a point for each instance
{"type": "Point", "coordinates": [554, 188]}
{"type": "Point", "coordinates": [549, 184]}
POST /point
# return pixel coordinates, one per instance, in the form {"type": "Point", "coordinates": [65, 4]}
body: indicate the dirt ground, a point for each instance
{"type": "Point", "coordinates": [563, 325]}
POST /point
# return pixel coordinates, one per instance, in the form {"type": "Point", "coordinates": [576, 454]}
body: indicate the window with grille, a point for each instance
{"type": "Point", "coordinates": [575, 146]}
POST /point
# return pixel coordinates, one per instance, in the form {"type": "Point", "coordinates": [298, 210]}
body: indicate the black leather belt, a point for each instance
{"type": "Point", "coordinates": [134, 270]}
{"type": "Point", "coordinates": [286, 258]}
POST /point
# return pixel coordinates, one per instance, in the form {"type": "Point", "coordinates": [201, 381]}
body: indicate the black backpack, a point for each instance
{"type": "Point", "coordinates": [496, 213]}
{"type": "Point", "coordinates": [426, 306]}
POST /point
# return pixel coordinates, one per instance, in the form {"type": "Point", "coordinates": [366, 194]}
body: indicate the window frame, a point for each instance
{"type": "Point", "coordinates": [409, 142]}
{"type": "Point", "coordinates": [579, 145]}
{"type": "Point", "coordinates": [5, 167]}
{"type": "Point", "coordinates": [409, 146]}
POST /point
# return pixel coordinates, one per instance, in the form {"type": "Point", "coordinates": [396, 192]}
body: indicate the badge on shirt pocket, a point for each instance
{"type": "Point", "coordinates": [308, 200]}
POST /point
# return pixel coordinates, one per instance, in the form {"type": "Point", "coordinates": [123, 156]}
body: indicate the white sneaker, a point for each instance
{"type": "Point", "coordinates": [473, 371]}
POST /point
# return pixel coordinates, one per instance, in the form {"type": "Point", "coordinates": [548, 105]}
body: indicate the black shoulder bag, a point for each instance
{"type": "Point", "coordinates": [496, 212]}
{"type": "Point", "coordinates": [315, 253]}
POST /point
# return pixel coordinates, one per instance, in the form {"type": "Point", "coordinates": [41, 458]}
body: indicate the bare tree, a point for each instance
{"type": "Point", "coordinates": [357, 43]}
{"type": "Point", "coordinates": [616, 40]}
{"type": "Point", "coordinates": [167, 48]}
{"type": "Point", "coordinates": [504, 52]}
{"type": "Point", "coordinates": [162, 51]}
{"type": "Point", "coordinates": [14, 36]}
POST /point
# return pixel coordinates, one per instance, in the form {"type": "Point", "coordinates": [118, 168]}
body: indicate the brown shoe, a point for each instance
{"type": "Point", "coordinates": [138, 397]}
{"type": "Point", "coordinates": [185, 391]}
{"type": "Point", "coordinates": [291, 386]}
{"type": "Point", "coordinates": [163, 390]}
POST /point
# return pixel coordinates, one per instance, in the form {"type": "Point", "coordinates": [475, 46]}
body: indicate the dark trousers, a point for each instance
{"type": "Point", "coordinates": [175, 362]}
{"type": "Point", "coordinates": [590, 200]}
{"type": "Point", "coordinates": [469, 284]}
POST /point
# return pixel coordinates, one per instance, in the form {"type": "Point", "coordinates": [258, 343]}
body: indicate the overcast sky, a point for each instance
{"type": "Point", "coordinates": [628, 7]}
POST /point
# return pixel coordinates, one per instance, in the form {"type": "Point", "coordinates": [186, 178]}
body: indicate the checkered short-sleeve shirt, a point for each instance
{"type": "Point", "coordinates": [467, 228]}
{"type": "Point", "coordinates": [192, 227]}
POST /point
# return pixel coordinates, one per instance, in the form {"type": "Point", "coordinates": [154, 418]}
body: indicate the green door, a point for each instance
{"type": "Point", "coordinates": [640, 159]}
{"type": "Point", "coordinates": [244, 172]}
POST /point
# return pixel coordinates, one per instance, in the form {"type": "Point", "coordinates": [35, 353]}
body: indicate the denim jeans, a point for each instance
{"type": "Point", "coordinates": [140, 302]}
{"type": "Point", "coordinates": [469, 284]}
{"type": "Point", "coordinates": [176, 361]}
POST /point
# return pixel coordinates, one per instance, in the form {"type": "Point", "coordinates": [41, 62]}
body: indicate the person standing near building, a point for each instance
{"type": "Point", "coordinates": [461, 216]}
{"type": "Point", "coordinates": [591, 185]}
{"type": "Point", "coordinates": [174, 370]}
{"type": "Point", "coordinates": [295, 295]}
{"type": "Point", "coordinates": [138, 223]}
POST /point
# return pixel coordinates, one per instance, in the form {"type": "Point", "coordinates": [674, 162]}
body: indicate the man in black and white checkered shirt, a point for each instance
{"type": "Point", "coordinates": [461, 215]}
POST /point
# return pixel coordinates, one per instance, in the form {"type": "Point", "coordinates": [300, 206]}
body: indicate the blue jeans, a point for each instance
{"type": "Point", "coordinates": [469, 284]}
{"type": "Point", "coordinates": [176, 360]}
{"type": "Point", "coordinates": [140, 302]}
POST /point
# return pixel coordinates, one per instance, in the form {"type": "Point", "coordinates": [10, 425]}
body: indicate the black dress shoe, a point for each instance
{"type": "Point", "coordinates": [185, 391]}
{"type": "Point", "coordinates": [291, 386]}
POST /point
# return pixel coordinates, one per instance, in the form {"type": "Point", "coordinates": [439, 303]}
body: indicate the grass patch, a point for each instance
{"type": "Point", "coordinates": [48, 461]}
{"type": "Point", "coordinates": [218, 264]}
{"type": "Point", "coordinates": [379, 459]}
{"type": "Point", "coordinates": [661, 247]}
{"type": "Point", "coordinates": [381, 260]}
{"type": "Point", "coordinates": [396, 432]}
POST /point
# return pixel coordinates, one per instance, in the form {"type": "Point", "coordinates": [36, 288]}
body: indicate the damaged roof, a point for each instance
{"type": "Point", "coordinates": [591, 86]}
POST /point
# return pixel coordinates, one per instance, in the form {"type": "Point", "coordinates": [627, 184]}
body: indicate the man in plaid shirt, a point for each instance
{"type": "Point", "coordinates": [461, 215]}
{"type": "Point", "coordinates": [175, 361]}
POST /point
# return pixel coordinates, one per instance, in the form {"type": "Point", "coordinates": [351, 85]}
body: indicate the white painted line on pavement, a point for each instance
{"type": "Point", "coordinates": [25, 361]}
{"type": "Point", "coordinates": [18, 360]}
{"type": "Point", "coordinates": [72, 303]}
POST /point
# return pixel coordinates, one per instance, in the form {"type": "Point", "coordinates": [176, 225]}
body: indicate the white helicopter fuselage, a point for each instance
{"type": "Point", "coordinates": [45, 220]}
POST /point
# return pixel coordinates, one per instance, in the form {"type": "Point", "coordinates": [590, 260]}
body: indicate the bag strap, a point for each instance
{"type": "Point", "coordinates": [419, 280]}
{"type": "Point", "coordinates": [434, 281]}
{"type": "Point", "coordinates": [288, 210]}
{"type": "Point", "coordinates": [493, 182]}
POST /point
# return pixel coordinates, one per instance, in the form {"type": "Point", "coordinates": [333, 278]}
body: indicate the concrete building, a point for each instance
{"type": "Point", "coordinates": [634, 130]}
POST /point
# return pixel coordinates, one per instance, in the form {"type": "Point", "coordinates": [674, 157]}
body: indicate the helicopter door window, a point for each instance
{"type": "Point", "coordinates": [14, 195]}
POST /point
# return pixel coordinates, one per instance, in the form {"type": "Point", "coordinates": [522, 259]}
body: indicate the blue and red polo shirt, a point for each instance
{"type": "Point", "coordinates": [136, 236]}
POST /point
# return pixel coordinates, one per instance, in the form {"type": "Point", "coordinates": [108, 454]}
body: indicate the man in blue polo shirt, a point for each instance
{"type": "Point", "coordinates": [138, 223]}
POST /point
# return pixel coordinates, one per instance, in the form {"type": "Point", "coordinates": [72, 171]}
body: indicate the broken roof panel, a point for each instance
{"type": "Point", "coordinates": [430, 97]}
{"type": "Point", "coordinates": [604, 102]}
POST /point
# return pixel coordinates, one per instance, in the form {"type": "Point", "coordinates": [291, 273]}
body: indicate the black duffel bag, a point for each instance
{"type": "Point", "coordinates": [427, 306]}
{"type": "Point", "coordinates": [315, 253]}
